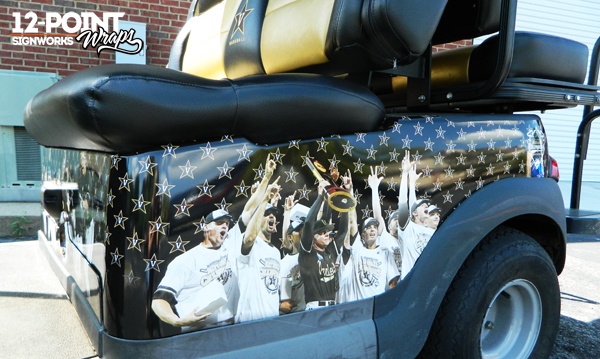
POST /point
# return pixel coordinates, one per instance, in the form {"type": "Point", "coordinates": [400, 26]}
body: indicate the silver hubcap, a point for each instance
{"type": "Point", "coordinates": [512, 322]}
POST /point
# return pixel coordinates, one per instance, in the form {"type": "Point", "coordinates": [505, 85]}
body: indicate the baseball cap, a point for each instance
{"type": "Point", "coordinates": [393, 216]}
{"type": "Point", "coordinates": [271, 209]}
{"type": "Point", "coordinates": [432, 209]}
{"type": "Point", "coordinates": [418, 203]}
{"type": "Point", "coordinates": [216, 215]}
{"type": "Point", "coordinates": [369, 221]}
{"type": "Point", "coordinates": [321, 226]}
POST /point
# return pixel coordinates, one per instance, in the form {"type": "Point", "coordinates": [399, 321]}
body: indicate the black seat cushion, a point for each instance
{"type": "Point", "coordinates": [535, 55]}
{"type": "Point", "coordinates": [130, 108]}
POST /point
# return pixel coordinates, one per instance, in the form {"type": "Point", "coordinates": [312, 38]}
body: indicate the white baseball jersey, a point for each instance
{"type": "Point", "coordinates": [292, 287]}
{"type": "Point", "coordinates": [414, 238]}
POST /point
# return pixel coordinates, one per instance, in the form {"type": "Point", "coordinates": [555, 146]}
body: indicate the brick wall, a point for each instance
{"type": "Point", "coordinates": [163, 19]}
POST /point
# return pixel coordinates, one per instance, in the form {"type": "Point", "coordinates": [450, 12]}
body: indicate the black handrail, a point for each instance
{"type": "Point", "coordinates": [583, 132]}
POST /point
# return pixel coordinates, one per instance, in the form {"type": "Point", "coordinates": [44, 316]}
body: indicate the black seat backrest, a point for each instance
{"type": "Point", "coordinates": [468, 19]}
{"type": "Point", "coordinates": [317, 36]}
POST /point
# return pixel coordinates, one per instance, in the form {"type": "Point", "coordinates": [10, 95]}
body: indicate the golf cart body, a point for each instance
{"type": "Point", "coordinates": [136, 158]}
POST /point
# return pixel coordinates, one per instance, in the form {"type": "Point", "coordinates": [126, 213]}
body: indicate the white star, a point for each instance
{"type": "Point", "coordinates": [227, 138]}
{"type": "Point", "coordinates": [242, 189]}
{"type": "Point", "coordinates": [183, 208]}
{"type": "Point", "coordinates": [110, 197]}
{"type": "Point", "coordinates": [124, 182]}
{"type": "Point", "coordinates": [481, 158]}
{"type": "Point", "coordinates": [277, 156]}
{"type": "Point", "coordinates": [360, 137]}
{"type": "Point", "coordinates": [334, 162]}
{"type": "Point", "coordinates": [491, 145]}
{"type": "Point", "coordinates": [438, 158]}
{"type": "Point", "coordinates": [116, 257]}
{"type": "Point", "coordinates": [153, 263]}
{"type": "Point", "coordinates": [158, 226]}
{"type": "Point", "coordinates": [170, 150]}
{"type": "Point", "coordinates": [480, 183]}
{"type": "Point", "coordinates": [244, 153]}
{"type": "Point", "coordinates": [164, 188]}
{"type": "Point", "coordinates": [178, 245]}
{"type": "Point", "coordinates": [426, 171]}
{"type": "Point", "coordinates": [135, 242]}
{"type": "Point", "coordinates": [120, 220]}
{"type": "Point", "coordinates": [347, 149]}
{"type": "Point", "coordinates": [304, 192]}
{"type": "Point", "coordinates": [147, 165]}
{"type": "Point", "coordinates": [461, 134]}
{"type": "Point", "coordinates": [322, 145]}
{"type": "Point", "coordinates": [437, 185]}
{"type": "Point", "coordinates": [450, 146]}
{"type": "Point", "coordinates": [114, 161]}
{"type": "Point", "coordinates": [499, 156]}
{"type": "Point", "coordinates": [396, 127]}
{"type": "Point", "coordinates": [506, 168]}
{"type": "Point", "coordinates": [205, 189]}
{"type": "Point", "coordinates": [371, 152]}
{"type": "Point", "coordinates": [448, 197]}
{"type": "Point", "coordinates": [508, 143]}
{"type": "Point", "coordinates": [418, 129]}
{"type": "Point", "coordinates": [223, 205]}
{"type": "Point", "coordinates": [358, 166]}
{"type": "Point", "coordinates": [440, 132]}
{"type": "Point", "coordinates": [291, 175]}
{"type": "Point", "coordinates": [383, 139]}
{"type": "Point", "coordinates": [429, 144]}
{"type": "Point", "coordinates": [208, 151]}
{"type": "Point", "coordinates": [225, 171]}
{"type": "Point", "coordinates": [490, 169]}
{"type": "Point", "coordinates": [140, 204]}
{"type": "Point", "coordinates": [417, 157]}
{"type": "Point", "coordinates": [471, 171]}
{"type": "Point", "coordinates": [459, 184]}
{"type": "Point", "coordinates": [394, 156]}
{"type": "Point", "coordinates": [449, 172]}
{"type": "Point", "coordinates": [461, 160]}
{"type": "Point", "coordinates": [406, 142]}
{"type": "Point", "coordinates": [187, 170]}
{"type": "Point", "coordinates": [131, 278]}
{"type": "Point", "coordinates": [472, 146]}
{"type": "Point", "coordinates": [294, 143]}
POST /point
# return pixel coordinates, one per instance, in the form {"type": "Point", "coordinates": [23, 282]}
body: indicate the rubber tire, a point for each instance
{"type": "Point", "coordinates": [503, 256]}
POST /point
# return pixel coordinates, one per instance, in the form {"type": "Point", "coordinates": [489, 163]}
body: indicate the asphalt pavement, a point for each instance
{"type": "Point", "coordinates": [37, 319]}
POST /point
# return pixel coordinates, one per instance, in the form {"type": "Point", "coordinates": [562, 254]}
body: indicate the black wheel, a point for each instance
{"type": "Point", "coordinates": [503, 303]}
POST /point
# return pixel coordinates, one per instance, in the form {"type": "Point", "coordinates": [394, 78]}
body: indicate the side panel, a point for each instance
{"type": "Point", "coordinates": [417, 298]}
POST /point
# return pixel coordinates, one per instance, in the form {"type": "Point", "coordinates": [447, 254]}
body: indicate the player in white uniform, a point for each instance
{"type": "Point", "coordinates": [291, 296]}
{"type": "Point", "coordinates": [412, 230]}
{"type": "Point", "coordinates": [259, 262]}
{"type": "Point", "coordinates": [373, 269]}
{"type": "Point", "coordinates": [204, 271]}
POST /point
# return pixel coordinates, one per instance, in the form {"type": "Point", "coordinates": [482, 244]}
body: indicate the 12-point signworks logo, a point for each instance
{"type": "Point", "coordinates": [63, 29]}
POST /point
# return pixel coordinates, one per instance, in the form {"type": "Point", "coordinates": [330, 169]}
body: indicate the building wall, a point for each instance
{"type": "Point", "coordinates": [164, 18]}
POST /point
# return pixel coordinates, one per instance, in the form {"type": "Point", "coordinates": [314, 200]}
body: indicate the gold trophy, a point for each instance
{"type": "Point", "coordinates": [338, 198]}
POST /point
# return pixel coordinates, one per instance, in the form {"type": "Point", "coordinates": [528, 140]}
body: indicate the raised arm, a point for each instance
{"type": "Point", "coordinates": [258, 192]}
{"type": "Point", "coordinates": [309, 224]}
{"type": "Point", "coordinates": [374, 182]}
{"type": "Point", "coordinates": [254, 226]}
{"type": "Point", "coordinates": [403, 202]}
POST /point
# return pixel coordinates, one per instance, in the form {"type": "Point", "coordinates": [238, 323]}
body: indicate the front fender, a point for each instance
{"type": "Point", "coordinates": [414, 302]}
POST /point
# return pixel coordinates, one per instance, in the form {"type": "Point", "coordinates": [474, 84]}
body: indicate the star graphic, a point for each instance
{"type": "Point", "coordinates": [333, 162]}
{"type": "Point", "coordinates": [124, 182]}
{"type": "Point", "coordinates": [381, 169]}
{"type": "Point", "coordinates": [140, 204]}
{"type": "Point", "coordinates": [470, 124]}
{"type": "Point", "coordinates": [481, 158]}
{"type": "Point", "coordinates": [223, 205]}
{"type": "Point", "coordinates": [322, 145]}
{"type": "Point", "coordinates": [147, 165]}
{"type": "Point", "coordinates": [450, 146]}
{"type": "Point", "coordinates": [429, 119]}
{"type": "Point", "coordinates": [358, 166]}
{"type": "Point", "coordinates": [277, 156]}
{"type": "Point", "coordinates": [490, 169]}
{"type": "Point", "coordinates": [183, 208]}
{"type": "Point", "coordinates": [208, 151]}
{"type": "Point", "coordinates": [394, 156]}
{"type": "Point", "coordinates": [116, 257]}
{"type": "Point", "coordinates": [304, 192]}
{"type": "Point", "coordinates": [472, 146]}
{"type": "Point", "coordinates": [448, 197]}
{"type": "Point", "coordinates": [426, 171]}
{"type": "Point", "coordinates": [291, 175]}
{"type": "Point", "coordinates": [107, 235]}
{"type": "Point", "coordinates": [371, 152]}
{"type": "Point", "coordinates": [360, 137]}
{"type": "Point", "coordinates": [187, 170]}
{"type": "Point", "coordinates": [131, 278]}
{"type": "Point", "coordinates": [471, 171]}
{"type": "Point", "coordinates": [461, 160]}
{"type": "Point", "coordinates": [227, 138]}
{"type": "Point", "coordinates": [294, 143]}
{"type": "Point", "coordinates": [205, 189]}
{"type": "Point", "coordinates": [392, 185]}
{"type": "Point", "coordinates": [383, 139]}
{"type": "Point", "coordinates": [429, 144]}
{"type": "Point", "coordinates": [506, 168]}
{"type": "Point", "coordinates": [418, 129]}
{"type": "Point", "coordinates": [120, 220]}
{"type": "Point", "coordinates": [305, 158]}
{"type": "Point", "coordinates": [440, 132]}
{"type": "Point", "coordinates": [258, 172]}
{"type": "Point", "coordinates": [135, 242]}
{"type": "Point", "coordinates": [170, 150]}
{"type": "Point", "coordinates": [240, 19]}
{"type": "Point", "coordinates": [462, 135]}
{"type": "Point", "coordinates": [499, 156]}
{"type": "Point", "coordinates": [437, 185]}
{"type": "Point", "coordinates": [164, 188]}
{"type": "Point", "coordinates": [522, 167]}
{"type": "Point", "coordinates": [396, 127]}
{"type": "Point", "coordinates": [480, 183]}
{"type": "Point", "coordinates": [114, 162]}
{"type": "Point", "coordinates": [347, 149]}
{"type": "Point", "coordinates": [366, 212]}
{"type": "Point", "coordinates": [110, 197]}
{"type": "Point", "coordinates": [449, 172]}
{"type": "Point", "coordinates": [153, 263]}
{"type": "Point", "coordinates": [406, 142]}
{"type": "Point", "coordinates": [439, 158]}
{"type": "Point", "coordinates": [178, 245]}
{"type": "Point", "coordinates": [459, 184]}
{"type": "Point", "coordinates": [158, 226]}
{"type": "Point", "coordinates": [242, 189]}
{"type": "Point", "coordinates": [357, 195]}
{"type": "Point", "coordinates": [244, 153]}
{"type": "Point", "coordinates": [225, 171]}
{"type": "Point", "coordinates": [491, 145]}
{"type": "Point", "coordinates": [480, 133]}
{"type": "Point", "coordinates": [199, 226]}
